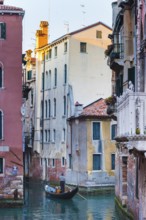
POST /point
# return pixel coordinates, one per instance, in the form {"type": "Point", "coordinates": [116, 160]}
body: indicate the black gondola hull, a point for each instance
{"type": "Point", "coordinates": [65, 195]}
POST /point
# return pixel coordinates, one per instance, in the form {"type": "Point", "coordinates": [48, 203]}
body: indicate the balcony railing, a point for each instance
{"type": "Point", "coordinates": [131, 107]}
{"type": "Point", "coordinates": [117, 52]}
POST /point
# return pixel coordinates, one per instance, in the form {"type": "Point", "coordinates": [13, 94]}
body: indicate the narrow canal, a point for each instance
{"type": "Point", "coordinates": [38, 207]}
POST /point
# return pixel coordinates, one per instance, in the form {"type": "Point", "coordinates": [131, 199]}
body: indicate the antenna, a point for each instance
{"type": "Point", "coordinates": [83, 12]}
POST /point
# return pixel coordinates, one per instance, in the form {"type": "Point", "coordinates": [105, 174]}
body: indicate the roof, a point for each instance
{"type": "Point", "coordinates": [8, 8]}
{"type": "Point", "coordinates": [96, 109]}
{"type": "Point", "coordinates": [82, 29]}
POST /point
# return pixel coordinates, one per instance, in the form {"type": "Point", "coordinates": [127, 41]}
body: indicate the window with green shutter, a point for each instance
{"type": "Point", "coordinates": [113, 161]}
{"type": "Point", "coordinates": [1, 77]}
{"type": "Point", "coordinates": [96, 161]}
{"type": "Point", "coordinates": [96, 130]}
{"type": "Point", "coordinates": [2, 30]}
{"type": "Point", "coordinates": [1, 165]}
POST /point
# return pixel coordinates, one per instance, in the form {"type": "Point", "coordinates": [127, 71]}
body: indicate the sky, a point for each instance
{"type": "Point", "coordinates": [63, 16]}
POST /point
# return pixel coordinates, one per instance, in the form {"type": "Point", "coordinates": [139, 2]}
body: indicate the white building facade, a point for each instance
{"type": "Point", "coordinates": [71, 69]}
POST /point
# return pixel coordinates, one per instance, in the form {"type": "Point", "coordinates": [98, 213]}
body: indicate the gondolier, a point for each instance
{"type": "Point", "coordinates": [62, 182]}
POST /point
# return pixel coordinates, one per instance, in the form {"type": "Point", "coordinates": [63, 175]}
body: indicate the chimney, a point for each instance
{"type": "Point", "coordinates": [1, 2]}
{"type": "Point", "coordinates": [42, 34]}
{"type": "Point", "coordinates": [78, 109]}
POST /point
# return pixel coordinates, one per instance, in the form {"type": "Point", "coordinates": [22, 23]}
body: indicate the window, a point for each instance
{"type": "Point", "coordinates": [46, 109]}
{"type": "Point", "coordinates": [98, 34]}
{"type": "Point", "coordinates": [54, 107]}
{"type": "Point", "coordinates": [113, 161]}
{"type": "Point", "coordinates": [49, 103]}
{"type": "Point", "coordinates": [31, 97]}
{"type": "Point", "coordinates": [64, 101]}
{"type": "Point", "coordinates": [49, 80]}
{"type": "Point", "coordinates": [1, 165]}
{"type": "Point", "coordinates": [65, 74]}
{"type": "Point", "coordinates": [53, 162]}
{"type": "Point", "coordinates": [43, 81]}
{"type": "Point", "coordinates": [55, 51]}
{"type": "Point", "coordinates": [46, 80]}
{"type": "Point", "coordinates": [96, 130]}
{"type": "Point", "coordinates": [96, 161]}
{"type": "Point", "coordinates": [54, 135]}
{"type": "Point", "coordinates": [63, 161]}
{"type": "Point", "coordinates": [55, 77]}
{"type": "Point", "coordinates": [46, 136]}
{"type": "Point", "coordinates": [113, 131]}
{"type": "Point", "coordinates": [63, 135]}
{"type": "Point", "coordinates": [83, 47]}
{"type": "Point", "coordinates": [1, 125]}
{"type": "Point", "coordinates": [47, 55]}
{"type": "Point", "coordinates": [29, 75]}
{"type": "Point", "coordinates": [2, 30]}
{"type": "Point", "coordinates": [70, 161]}
{"type": "Point", "coordinates": [65, 47]}
{"type": "Point", "coordinates": [49, 135]}
{"type": "Point", "coordinates": [50, 54]}
{"type": "Point", "coordinates": [41, 136]}
{"type": "Point", "coordinates": [41, 162]}
{"type": "Point", "coordinates": [1, 77]}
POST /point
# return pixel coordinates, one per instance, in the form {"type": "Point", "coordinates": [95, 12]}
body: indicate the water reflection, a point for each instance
{"type": "Point", "coordinates": [38, 207]}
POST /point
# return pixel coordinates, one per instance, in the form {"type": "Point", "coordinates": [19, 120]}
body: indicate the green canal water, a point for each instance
{"type": "Point", "coordinates": [38, 207]}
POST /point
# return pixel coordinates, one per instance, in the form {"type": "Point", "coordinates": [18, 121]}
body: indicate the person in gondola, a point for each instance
{"type": "Point", "coordinates": [62, 182]}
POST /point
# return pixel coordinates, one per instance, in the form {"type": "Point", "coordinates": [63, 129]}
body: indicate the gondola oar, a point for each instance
{"type": "Point", "coordinates": [78, 194]}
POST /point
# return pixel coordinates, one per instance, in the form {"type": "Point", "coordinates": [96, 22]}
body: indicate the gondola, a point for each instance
{"type": "Point", "coordinates": [51, 193]}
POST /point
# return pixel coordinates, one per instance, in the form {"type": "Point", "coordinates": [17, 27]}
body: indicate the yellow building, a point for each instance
{"type": "Point", "coordinates": [91, 146]}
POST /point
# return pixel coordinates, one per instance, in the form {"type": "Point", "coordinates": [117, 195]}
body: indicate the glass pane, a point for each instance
{"type": "Point", "coordinates": [96, 130]}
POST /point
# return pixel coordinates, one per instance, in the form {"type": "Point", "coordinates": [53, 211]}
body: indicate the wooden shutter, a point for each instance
{"type": "Point", "coordinates": [96, 162]}
{"type": "Point", "coordinates": [1, 165]}
{"type": "Point", "coordinates": [3, 30]}
{"type": "Point", "coordinates": [96, 130]}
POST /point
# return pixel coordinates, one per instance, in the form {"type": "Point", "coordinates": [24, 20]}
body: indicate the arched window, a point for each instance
{"type": "Point", "coordinates": [54, 107]}
{"type": "Point", "coordinates": [65, 74]}
{"type": "Point", "coordinates": [46, 109]}
{"type": "Point", "coordinates": [1, 125]}
{"type": "Point", "coordinates": [55, 77]}
{"type": "Point", "coordinates": [49, 107]}
{"type": "Point", "coordinates": [49, 80]}
{"type": "Point", "coordinates": [46, 80]}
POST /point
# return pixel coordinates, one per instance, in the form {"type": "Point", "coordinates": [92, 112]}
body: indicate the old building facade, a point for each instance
{"type": "Point", "coordinates": [27, 109]}
{"type": "Point", "coordinates": [65, 71]}
{"type": "Point", "coordinates": [127, 59]}
{"type": "Point", "coordinates": [11, 152]}
{"type": "Point", "coordinates": [91, 146]}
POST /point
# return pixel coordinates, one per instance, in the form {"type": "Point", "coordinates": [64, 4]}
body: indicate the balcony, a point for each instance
{"type": "Point", "coordinates": [131, 107]}
{"type": "Point", "coordinates": [116, 55]}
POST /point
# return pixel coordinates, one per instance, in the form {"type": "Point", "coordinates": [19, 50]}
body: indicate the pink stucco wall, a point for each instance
{"type": "Point", "coordinates": [11, 94]}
